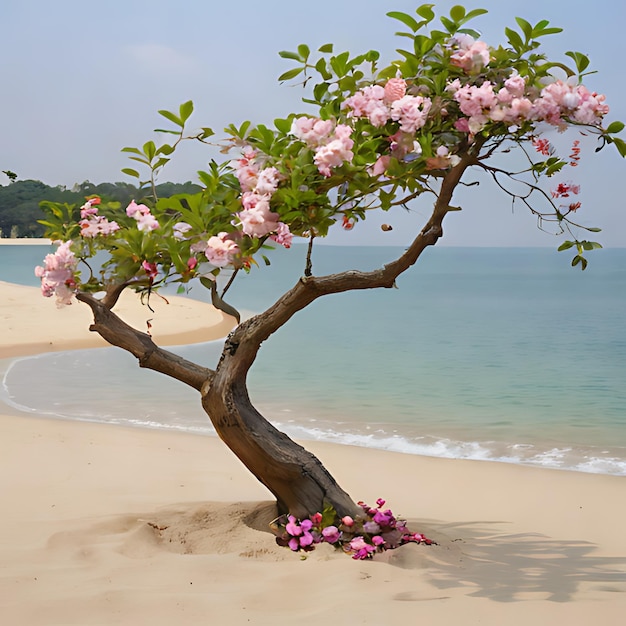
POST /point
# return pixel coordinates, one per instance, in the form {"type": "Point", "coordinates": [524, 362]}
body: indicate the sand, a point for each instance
{"type": "Point", "coordinates": [109, 525]}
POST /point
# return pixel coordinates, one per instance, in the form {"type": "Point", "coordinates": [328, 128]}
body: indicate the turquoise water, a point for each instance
{"type": "Point", "coordinates": [493, 354]}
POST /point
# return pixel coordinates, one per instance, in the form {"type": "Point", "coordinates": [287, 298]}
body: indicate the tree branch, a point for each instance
{"type": "Point", "coordinates": [250, 334]}
{"type": "Point", "coordinates": [118, 333]}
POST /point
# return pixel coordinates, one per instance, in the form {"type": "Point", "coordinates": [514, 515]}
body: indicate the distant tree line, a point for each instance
{"type": "Point", "coordinates": [19, 200]}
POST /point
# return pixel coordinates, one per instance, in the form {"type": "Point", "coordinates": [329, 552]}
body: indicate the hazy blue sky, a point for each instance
{"type": "Point", "coordinates": [82, 79]}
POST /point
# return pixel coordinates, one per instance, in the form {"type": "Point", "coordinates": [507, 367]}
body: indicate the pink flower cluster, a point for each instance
{"type": "Point", "coordinates": [258, 185]}
{"type": "Point", "coordinates": [332, 144]}
{"type": "Point", "coordinates": [472, 55]}
{"type": "Point", "coordinates": [558, 100]}
{"type": "Point", "coordinates": [92, 224]}
{"type": "Point", "coordinates": [145, 220]}
{"type": "Point", "coordinates": [380, 104]}
{"type": "Point", "coordinates": [376, 530]}
{"type": "Point", "coordinates": [221, 249]}
{"type": "Point", "coordinates": [574, 102]}
{"type": "Point", "coordinates": [58, 274]}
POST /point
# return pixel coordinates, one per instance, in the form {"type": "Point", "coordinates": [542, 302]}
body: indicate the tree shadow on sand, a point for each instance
{"type": "Point", "coordinates": [477, 557]}
{"type": "Point", "coordinates": [512, 567]}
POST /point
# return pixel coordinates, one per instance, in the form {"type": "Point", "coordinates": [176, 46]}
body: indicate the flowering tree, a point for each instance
{"type": "Point", "coordinates": [377, 139]}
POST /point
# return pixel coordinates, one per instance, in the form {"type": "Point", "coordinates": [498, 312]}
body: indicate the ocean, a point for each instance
{"type": "Point", "coordinates": [493, 354]}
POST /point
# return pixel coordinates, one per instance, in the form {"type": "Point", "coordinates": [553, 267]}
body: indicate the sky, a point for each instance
{"type": "Point", "coordinates": [83, 79]}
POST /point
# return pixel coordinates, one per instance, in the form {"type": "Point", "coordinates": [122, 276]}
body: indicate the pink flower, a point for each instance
{"type": "Point", "coordinates": [267, 181]}
{"type": "Point", "coordinates": [179, 229]}
{"type": "Point", "coordinates": [377, 540]}
{"type": "Point", "coordinates": [462, 125]}
{"type": "Point", "coordinates": [473, 101]}
{"type": "Point", "coordinates": [282, 236]}
{"type": "Point", "coordinates": [591, 108]}
{"type": "Point", "coordinates": [472, 55]}
{"type": "Point", "coordinates": [133, 209]}
{"type": "Point", "coordinates": [411, 112]}
{"type": "Point", "coordinates": [316, 518]}
{"type": "Point", "coordinates": [394, 90]}
{"type": "Point", "coordinates": [301, 537]}
{"type": "Point", "coordinates": [311, 130]}
{"type": "Point", "coordinates": [221, 250]}
{"type": "Point", "coordinates": [140, 212]}
{"type": "Point", "coordinates": [361, 549]}
{"type": "Point", "coordinates": [89, 208]}
{"type": "Point", "coordinates": [336, 152]}
{"type": "Point", "coordinates": [347, 521]}
{"type": "Point", "coordinates": [292, 526]}
{"type": "Point", "coordinates": [97, 225]}
{"type": "Point", "coordinates": [515, 85]}
{"type": "Point", "coordinates": [192, 263]}
{"type": "Point", "coordinates": [146, 222]}
{"type": "Point", "coordinates": [150, 269]}
{"type": "Point", "coordinates": [257, 220]}
{"type": "Point", "coordinates": [57, 274]}
{"type": "Point", "coordinates": [331, 534]}
{"type": "Point", "coordinates": [369, 102]}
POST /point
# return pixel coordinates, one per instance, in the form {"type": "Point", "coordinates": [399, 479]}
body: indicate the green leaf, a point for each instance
{"type": "Point", "coordinates": [207, 282]}
{"type": "Point", "coordinates": [405, 19]}
{"type": "Point", "coordinates": [326, 48]}
{"type": "Point", "coordinates": [289, 74]}
{"type": "Point", "coordinates": [426, 11]}
{"type": "Point", "coordinates": [514, 38]}
{"type": "Point", "coordinates": [132, 150]}
{"type": "Point", "coordinates": [165, 149]}
{"type": "Point", "coordinates": [591, 245]}
{"type": "Point", "coordinates": [594, 229]}
{"type": "Point", "coordinates": [284, 126]}
{"type": "Point", "coordinates": [140, 160]}
{"type": "Point", "coordinates": [149, 149]}
{"type": "Point", "coordinates": [304, 51]}
{"type": "Point", "coordinates": [130, 172]}
{"type": "Point", "coordinates": [547, 31]}
{"type": "Point", "coordinates": [527, 29]}
{"type": "Point", "coordinates": [172, 117]}
{"type": "Point", "coordinates": [186, 109]}
{"type": "Point", "coordinates": [620, 144]}
{"type": "Point", "coordinates": [615, 127]}
{"type": "Point", "coordinates": [475, 13]}
{"type": "Point", "coordinates": [457, 13]}
{"type": "Point", "coordinates": [582, 61]}
{"type": "Point", "coordinates": [320, 66]}
{"type": "Point", "coordinates": [285, 54]}
{"type": "Point", "coordinates": [449, 25]}
{"type": "Point", "coordinates": [566, 245]}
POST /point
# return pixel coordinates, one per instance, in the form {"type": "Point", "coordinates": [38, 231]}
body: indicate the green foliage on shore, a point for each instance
{"type": "Point", "coordinates": [20, 210]}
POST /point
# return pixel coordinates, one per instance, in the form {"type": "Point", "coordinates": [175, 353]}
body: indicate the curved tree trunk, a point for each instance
{"type": "Point", "coordinates": [298, 480]}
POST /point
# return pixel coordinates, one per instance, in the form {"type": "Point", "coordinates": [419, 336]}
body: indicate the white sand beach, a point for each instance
{"type": "Point", "coordinates": [110, 525]}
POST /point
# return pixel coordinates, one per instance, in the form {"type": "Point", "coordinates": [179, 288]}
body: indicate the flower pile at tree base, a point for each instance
{"type": "Point", "coordinates": [376, 530]}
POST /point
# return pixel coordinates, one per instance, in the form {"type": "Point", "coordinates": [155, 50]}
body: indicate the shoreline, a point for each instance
{"type": "Point", "coordinates": [119, 525]}
{"type": "Point", "coordinates": [32, 324]}
{"type": "Point", "coordinates": [25, 241]}
{"type": "Point", "coordinates": [175, 529]}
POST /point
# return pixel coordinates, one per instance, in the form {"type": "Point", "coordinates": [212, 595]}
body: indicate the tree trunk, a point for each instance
{"type": "Point", "coordinates": [298, 480]}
